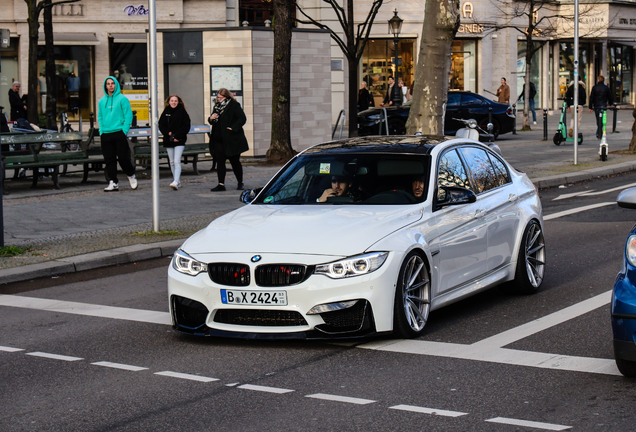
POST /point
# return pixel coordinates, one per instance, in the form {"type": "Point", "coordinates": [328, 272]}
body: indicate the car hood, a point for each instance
{"type": "Point", "coordinates": [301, 229]}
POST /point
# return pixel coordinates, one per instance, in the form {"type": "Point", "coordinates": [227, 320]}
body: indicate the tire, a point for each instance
{"type": "Point", "coordinates": [603, 154]}
{"type": "Point", "coordinates": [496, 129]}
{"type": "Point", "coordinates": [558, 138]}
{"type": "Point", "coordinates": [530, 269]}
{"type": "Point", "coordinates": [580, 138]}
{"type": "Point", "coordinates": [626, 367]}
{"type": "Point", "coordinates": [397, 127]}
{"type": "Point", "coordinates": [412, 297]}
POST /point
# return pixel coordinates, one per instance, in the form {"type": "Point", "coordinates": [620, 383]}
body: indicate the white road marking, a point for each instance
{"type": "Point", "coordinates": [577, 210]}
{"type": "Point", "coordinates": [54, 356]}
{"type": "Point", "coordinates": [593, 192]}
{"type": "Point", "coordinates": [432, 411]}
{"type": "Point", "coordinates": [336, 398]}
{"type": "Point", "coordinates": [10, 349]}
{"type": "Point", "coordinates": [186, 376]}
{"type": "Point", "coordinates": [120, 366]}
{"type": "Point", "coordinates": [138, 315]}
{"type": "Point", "coordinates": [530, 424]}
{"type": "Point", "coordinates": [264, 389]}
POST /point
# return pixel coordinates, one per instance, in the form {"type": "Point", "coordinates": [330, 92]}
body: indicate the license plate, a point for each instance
{"type": "Point", "coordinates": [271, 298]}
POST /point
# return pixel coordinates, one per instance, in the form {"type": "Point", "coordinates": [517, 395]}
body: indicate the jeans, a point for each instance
{"type": "Point", "coordinates": [174, 155]}
{"type": "Point", "coordinates": [534, 113]}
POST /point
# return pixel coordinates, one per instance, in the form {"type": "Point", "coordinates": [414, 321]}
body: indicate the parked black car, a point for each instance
{"type": "Point", "coordinates": [461, 105]}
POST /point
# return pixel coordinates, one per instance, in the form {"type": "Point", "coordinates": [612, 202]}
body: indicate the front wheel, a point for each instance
{"type": "Point", "coordinates": [530, 261]}
{"type": "Point", "coordinates": [558, 138]}
{"type": "Point", "coordinates": [603, 153]}
{"type": "Point", "coordinates": [412, 297]}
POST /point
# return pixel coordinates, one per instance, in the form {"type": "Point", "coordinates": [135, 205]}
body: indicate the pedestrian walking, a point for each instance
{"type": "Point", "coordinates": [18, 108]}
{"type": "Point", "coordinates": [393, 96]}
{"type": "Point", "coordinates": [365, 100]}
{"type": "Point", "coordinates": [115, 117]}
{"type": "Point", "coordinates": [569, 99]}
{"type": "Point", "coordinates": [174, 125]}
{"type": "Point", "coordinates": [404, 91]}
{"type": "Point", "coordinates": [228, 139]}
{"type": "Point", "coordinates": [503, 92]}
{"type": "Point", "coordinates": [600, 98]}
{"type": "Point", "coordinates": [533, 93]}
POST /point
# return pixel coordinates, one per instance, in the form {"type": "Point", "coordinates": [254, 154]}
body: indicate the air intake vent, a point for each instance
{"type": "Point", "coordinates": [261, 318]}
{"type": "Point", "coordinates": [229, 274]}
{"type": "Point", "coordinates": [274, 275]}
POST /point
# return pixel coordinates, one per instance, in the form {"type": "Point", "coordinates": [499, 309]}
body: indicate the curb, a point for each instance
{"type": "Point", "coordinates": [559, 179]}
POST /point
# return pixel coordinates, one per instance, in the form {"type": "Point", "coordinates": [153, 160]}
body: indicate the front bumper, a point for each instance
{"type": "Point", "coordinates": [623, 309]}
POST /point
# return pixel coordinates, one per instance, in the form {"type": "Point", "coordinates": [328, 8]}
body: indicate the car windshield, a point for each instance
{"type": "Point", "coordinates": [367, 179]}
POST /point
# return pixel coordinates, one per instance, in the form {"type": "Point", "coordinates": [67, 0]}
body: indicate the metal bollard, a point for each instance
{"type": "Point", "coordinates": [514, 112]}
{"type": "Point", "coordinates": [614, 120]}
{"type": "Point", "coordinates": [489, 114]}
{"type": "Point", "coordinates": [545, 124]}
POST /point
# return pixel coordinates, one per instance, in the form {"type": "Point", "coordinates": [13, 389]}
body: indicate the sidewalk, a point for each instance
{"type": "Point", "coordinates": [80, 227]}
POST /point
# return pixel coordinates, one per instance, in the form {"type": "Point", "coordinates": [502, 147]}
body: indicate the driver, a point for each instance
{"type": "Point", "coordinates": [340, 187]}
{"type": "Point", "coordinates": [418, 188]}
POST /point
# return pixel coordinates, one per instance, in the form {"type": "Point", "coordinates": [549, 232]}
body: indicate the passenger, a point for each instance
{"type": "Point", "coordinates": [340, 187]}
{"type": "Point", "coordinates": [418, 188]}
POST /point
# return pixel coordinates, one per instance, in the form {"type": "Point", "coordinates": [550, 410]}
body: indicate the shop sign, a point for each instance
{"type": "Point", "coordinates": [470, 28]}
{"type": "Point", "coordinates": [630, 21]}
{"type": "Point", "coordinates": [136, 10]}
{"type": "Point", "coordinates": [68, 10]}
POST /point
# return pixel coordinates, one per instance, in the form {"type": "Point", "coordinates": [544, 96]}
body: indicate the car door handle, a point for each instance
{"type": "Point", "coordinates": [479, 214]}
{"type": "Point", "coordinates": [512, 197]}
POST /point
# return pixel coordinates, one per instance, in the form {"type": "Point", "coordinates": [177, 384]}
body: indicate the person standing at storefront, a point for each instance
{"type": "Point", "coordinates": [18, 108]}
{"type": "Point", "coordinates": [503, 92]}
{"type": "Point", "coordinates": [533, 93]}
{"type": "Point", "coordinates": [115, 117]}
{"type": "Point", "coordinates": [600, 98]}
{"type": "Point", "coordinates": [227, 139]}
{"type": "Point", "coordinates": [365, 100]}
{"type": "Point", "coordinates": [393, 96]}
{"type": "Point", "coordinates": [569, 99]}
{"type": "Point", "coordinates": [174, 125]}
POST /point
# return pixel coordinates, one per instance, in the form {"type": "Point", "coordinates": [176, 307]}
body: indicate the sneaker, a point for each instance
{"type": "Point", "coordinates": [112, 187]}
{"type": "Point", "coordinates": [240, 186]}
{"type": "Point", "coordinates": [534, 122]}
{"type": "Point", "coordinates": [133, 182]}
{"type": "Point", "coordinates": [219, 188]}
{"type": "Point", "coordinates": [175, 185]}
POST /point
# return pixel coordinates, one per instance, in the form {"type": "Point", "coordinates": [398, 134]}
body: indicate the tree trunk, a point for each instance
{"type": "Point", "coordinates": [51, 84]}
{"type": "Point", "coordinates": [32, 99]}
{"type": "Point", "coordinates": [353, 72]}
{"type": "Point", "coordinates": [441, 21]}
{"type": "Point", "coordinates": [529, 51]}
{"type": "Point", "coordinates": [280, 149]}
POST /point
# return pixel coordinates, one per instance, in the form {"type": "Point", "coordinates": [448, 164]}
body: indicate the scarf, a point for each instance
{"type": "Point", "coordinates": [219, 107]}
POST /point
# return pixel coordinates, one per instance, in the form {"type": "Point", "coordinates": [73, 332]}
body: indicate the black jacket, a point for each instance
{"type": "Point", "coordinates": [365, 100]}
{"type": "Point", "coordinates": [17, 106]}
{"type": "Point", "coordinates": [395, 95]}
{"type": "Point", "coordinates": [569, 95]}
{"type": "Point", "coordinates": [601, 96]}
{"type": "Point", "coordinates": [177, 121]}
{"type": "Point", "coordinates": [234, 141]}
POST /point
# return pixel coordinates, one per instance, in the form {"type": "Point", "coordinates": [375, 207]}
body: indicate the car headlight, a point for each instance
{"type": "Point", "coordinates": [353, 266]}
{"type": "Point", "coordinates": [184, 263]}
{"type": "Point", "coordinates": [630, 250]}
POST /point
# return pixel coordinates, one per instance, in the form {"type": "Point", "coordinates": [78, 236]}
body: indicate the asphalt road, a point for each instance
{"type": "Point", "coordinates": [484, 364]}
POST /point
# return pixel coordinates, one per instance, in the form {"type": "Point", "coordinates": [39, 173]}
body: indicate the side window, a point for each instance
{"type": "Point", "coordinates": [500, 171]}
{"type": "Point", "coordinates": [453, 100]}
{"type": "Point", "coordinates": [468, 99]}
{"type": "Point", "coordinates": [480, 167]}
{"type": "Point", "coordinates": [451, 172]}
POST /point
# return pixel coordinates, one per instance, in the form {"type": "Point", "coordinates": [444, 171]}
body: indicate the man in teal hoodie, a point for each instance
{"type": "Point", "coordinates": [115, 117]}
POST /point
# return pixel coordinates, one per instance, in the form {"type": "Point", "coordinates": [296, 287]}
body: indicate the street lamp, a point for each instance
{"type": "Point", "coordinates": [395, 25]}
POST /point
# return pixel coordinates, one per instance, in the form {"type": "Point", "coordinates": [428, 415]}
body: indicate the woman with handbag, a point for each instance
{"type": "Point", "coordinates": [174, 125]}
{"type": "Point", "coordinates": [227, 139]}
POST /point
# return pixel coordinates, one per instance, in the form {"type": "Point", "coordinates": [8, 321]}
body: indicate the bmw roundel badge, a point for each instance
{"type": "Point", "coordinates": [256, 258]}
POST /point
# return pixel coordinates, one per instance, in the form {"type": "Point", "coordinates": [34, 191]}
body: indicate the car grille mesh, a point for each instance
{"type": "Point", "coordinates": [280, 274]}
{"type": "Point", "coordinates": [257, 317]}
{"type": "Point", "coordinates": [188, 313]}
{"type": "Point", "coordinates": [350, 318]}
{"type": "Point", "coordinates": [229, 274]}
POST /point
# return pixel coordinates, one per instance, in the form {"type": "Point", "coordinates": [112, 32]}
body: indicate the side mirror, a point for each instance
{"type": "Point", "coordinates": [249, 195]}
{"type": "Point", "coordinates": [453, 195]}
{"type": "Point", "coordinates": [627, 198]}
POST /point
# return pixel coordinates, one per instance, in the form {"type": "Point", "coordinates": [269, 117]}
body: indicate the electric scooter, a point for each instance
{"type": "Point", "coordinates": [561, 134]}
{"type": "Point", "coordinates": [472, 131]}
{"type": "Point", "coordinates": [603, 148]}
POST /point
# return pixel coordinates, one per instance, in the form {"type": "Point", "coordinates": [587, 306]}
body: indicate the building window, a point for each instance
{"type": "Point", "coordinates": [535, 71]}
{"type": "Point", "coordinates": [378, 64]}
{"type": "Point", "coordinates": [255, 12]}
{"type": "Point", "coordinates": [463, 74]}
{"type": "Point", "coordinates": [619, 63]}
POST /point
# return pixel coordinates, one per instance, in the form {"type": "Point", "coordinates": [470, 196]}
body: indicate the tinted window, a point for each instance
{"type": "Point", "coordinates": [500, 170]}
{"type": "Point", "coordinates": [451, 172]}
{"type": "Point", "coordinates": [468, 99]}
{"type": "Point", "coordinates": [453, 100]}
{"type": "Point", "coordinates": [480, 167]}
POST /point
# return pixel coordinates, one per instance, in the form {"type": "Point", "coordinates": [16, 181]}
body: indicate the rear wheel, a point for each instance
{"type": "Point", "coordinates": [397, 127]}
{"type": "Point", "coordinates": [412, 297]}
{"type": "Point", "coordinates": [530, 262]}
{"type": "Point", "coordinates": [626, 367]}
{"type": "Point", "coordinates": [603, 153]}
{"type": "Point", "coordinates": [558, 138]}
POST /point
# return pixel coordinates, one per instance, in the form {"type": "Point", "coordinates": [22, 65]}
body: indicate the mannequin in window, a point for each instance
{"type": "Point", "coordinates": [125, 78]}
{"type": "Point", "coordinates": [42, 83]}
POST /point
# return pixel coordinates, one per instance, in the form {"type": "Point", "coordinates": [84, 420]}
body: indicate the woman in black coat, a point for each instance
{"type": "Point", "coordinates": [227, 140]}
{"type": "Point", "coordinates": [174, 125]}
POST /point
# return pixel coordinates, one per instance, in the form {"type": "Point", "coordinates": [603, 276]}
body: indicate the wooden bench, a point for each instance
{"type": "Point", "coordinates": [142, 151]}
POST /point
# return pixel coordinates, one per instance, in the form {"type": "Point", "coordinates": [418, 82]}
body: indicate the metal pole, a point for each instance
{"type": "Point", "coordinates": [1, 192]}
{"type": "Point", "coordinates": [154, 145]}
{"type": "Point", "coordinates": [575, 119]}
{"type": "Point", "coordinates": [398, 101]}
{"type": "Point", "coordinates": [545, 124]}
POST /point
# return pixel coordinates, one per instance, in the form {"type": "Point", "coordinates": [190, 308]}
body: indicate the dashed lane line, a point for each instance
{"type": "Point", "coordinates": [186, 376]}
{"type": "Point", "coordinates": [10, 349]}
{"type": "Point", "coordinates": [529, 424]}
{"type": "Point", "coordinates": [336, 398]}
{"type": "Point", "coordinates": [53, 356]}
{"type": "Point", "coordinates": [432, 411]}
{"type": "Point", "coordinates": [264, 389]}
{"type": "Point", "coordinates": [120, 366]}
{"type": "Point", "coordinates": [577, 210]}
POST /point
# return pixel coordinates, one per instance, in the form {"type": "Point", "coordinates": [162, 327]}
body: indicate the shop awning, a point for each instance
{"type": "Point", "coordinates": [71, 39]}
{"type": "Point", "coordinates": [128, 37]}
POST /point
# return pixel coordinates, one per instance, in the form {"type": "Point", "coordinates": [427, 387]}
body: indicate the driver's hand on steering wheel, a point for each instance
{"type": "Point", "coordinates": [326, 194]}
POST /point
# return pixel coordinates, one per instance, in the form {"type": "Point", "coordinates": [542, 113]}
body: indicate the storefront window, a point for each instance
{"type": "Point", "coordinates": [73, 79]}
{"type": "Point", "coordinates": [463, 74]}
{"type": "Point", "coordinates": [619, 63]}
{"type": "Point", "coordinates": [566, 65]}
{"type": "Point", "coordinates": [378, 64]}
{"type": "Point", "coordinates": [534, 76]}
{"type": "Point", "coordinates": [129, 64]}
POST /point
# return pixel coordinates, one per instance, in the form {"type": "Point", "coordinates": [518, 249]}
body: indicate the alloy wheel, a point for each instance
{"type": "Point", "coordinates": [416, 293]}
{"type": "Point", "coordinates": [535, 255]}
